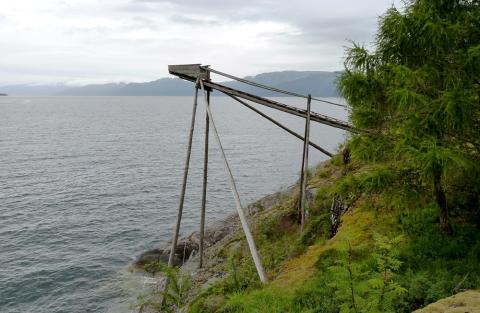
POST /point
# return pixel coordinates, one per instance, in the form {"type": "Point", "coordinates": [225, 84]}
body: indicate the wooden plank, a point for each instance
{"type": "Point", "coordinates": [192, 71]}
{"type": "Point", "coordinates": [316, 117]}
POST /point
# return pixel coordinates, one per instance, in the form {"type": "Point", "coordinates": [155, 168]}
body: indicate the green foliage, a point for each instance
{"type": "Point", "coordinates": [259, 301]}
{"type": "Point", "coordinates": [418, 92]}
{"type": "Point", "coordinates": [317, 228]}
{"type": "Point", "coordinates": [316, 296]}
{"type": "Point", "coordinates": [154, 267]}
{"type": "Point", "coordinates": [361, 287]}
{"type": "Point", "coordinates": [242, 275]}
{"type": "Point", "coordinates": [386, 257]}
{"type": "Point", "coordinates": [276, 239]}
{"type": "Point", "coordinates": [350, 282]}
{"type": "Point", "coordinates": [370, 180]}
{"type": "Point", "coordinates": [370, 148]}
{"type": "Point", "coordinates": [434, 264]}
{"type": "Point", "coordinates": [177, 288]}
{"type": "Point", "coordinates": [319, 225]}
{"type": "Point", "coordinates": [387, 273]}
{"type": "Point", "coordinates": [207, 304]}
{"type": "Point", "coordinates": [174, 296]}
{"type": "Point", "coordinates": [377, 180]}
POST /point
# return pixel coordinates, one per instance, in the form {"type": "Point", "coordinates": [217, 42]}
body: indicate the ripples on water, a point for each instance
{"type": "Point", "coordinates": [88, 183]}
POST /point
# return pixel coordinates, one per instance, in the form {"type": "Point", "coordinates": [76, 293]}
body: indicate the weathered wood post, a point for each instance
{"type": "Point", "coordinates": [233, 187]}
{"type": "Point", "coordinates": [184, 183]}
{"type": "Point", "coordinates": [304, 174]}
{"type": "Point", "coordinates": [204, 188]}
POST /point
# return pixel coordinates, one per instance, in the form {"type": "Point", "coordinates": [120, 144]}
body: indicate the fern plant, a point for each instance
{"type": "Point", "coordinates": [358, 288]}
{"type": "Point", "coordinates": [349, 283]}
{"type": "Point", "coordinates": [384, 287]}
{"type": "Point", "coordinates": [177, 287]}
{"type": "Point", "coordinates": [174, 294]}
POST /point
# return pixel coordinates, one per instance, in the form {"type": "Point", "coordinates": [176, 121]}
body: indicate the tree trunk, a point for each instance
{"type": "Point", "coordinates": [442, 203]}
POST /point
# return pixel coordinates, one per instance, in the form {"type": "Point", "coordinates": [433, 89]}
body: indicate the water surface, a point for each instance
{"type": "Point", "coordinates": [88, 183]}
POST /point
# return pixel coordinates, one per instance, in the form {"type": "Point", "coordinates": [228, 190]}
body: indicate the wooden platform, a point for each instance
{"type": "Point", "coordinates": [189, 71]}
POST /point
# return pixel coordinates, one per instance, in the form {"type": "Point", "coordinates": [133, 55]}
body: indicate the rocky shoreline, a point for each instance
{"type": "Point", "coordinates": [187, 247]}
{"type": "Point", "coordinates": [223, 235]}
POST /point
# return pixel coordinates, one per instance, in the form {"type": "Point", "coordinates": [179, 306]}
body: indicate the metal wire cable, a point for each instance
{"type": "Point", "coordinates": [252, 83]}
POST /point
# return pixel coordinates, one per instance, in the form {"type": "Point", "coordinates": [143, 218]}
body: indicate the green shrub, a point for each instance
{"type": "Point", "coordinates": [173, 297]}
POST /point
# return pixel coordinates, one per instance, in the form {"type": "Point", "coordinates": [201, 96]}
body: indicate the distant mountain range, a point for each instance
{"type": "Point", "coordinates": [318, 83]}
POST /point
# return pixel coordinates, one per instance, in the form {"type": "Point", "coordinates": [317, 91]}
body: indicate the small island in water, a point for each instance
{"type": "Point", "coordinates": [3, 94]}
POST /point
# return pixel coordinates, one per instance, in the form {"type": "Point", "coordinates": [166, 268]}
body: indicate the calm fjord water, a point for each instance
{"type": "Point", "coordinates": [88, 183]}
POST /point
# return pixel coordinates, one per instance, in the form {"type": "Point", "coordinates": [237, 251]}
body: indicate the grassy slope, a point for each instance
{"type": "Point", "coordinates": [308, 273]}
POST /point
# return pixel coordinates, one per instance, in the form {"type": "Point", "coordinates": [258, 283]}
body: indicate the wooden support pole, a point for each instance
{"type": "Point", "coordinates": [241, 214]}
{"type": "Point", "coordinates": [300, 190]}
{"type": "Point", "coordinates": [204, 188]}
{"type": "Point", "coordinates": [184, 183]}
{"type": "Point", "coordinates": [304, 174]}
{"type": "Point", "coordinates": [280, 125]}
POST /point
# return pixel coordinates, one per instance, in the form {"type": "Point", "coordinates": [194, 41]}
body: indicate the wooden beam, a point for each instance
{"type": "Point", "coordinates": [304, 175]}
{"type": "Point", "coordinates": [316, 117]}
{"type": "Point", "coordinates": [204, 186]}
{"type": "Point", "coordinates": [192, 71]}
{"type": "Point", "coordinates": [281, 125]}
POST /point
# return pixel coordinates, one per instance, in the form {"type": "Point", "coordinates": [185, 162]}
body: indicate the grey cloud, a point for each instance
{"type": "Point", "coordinates": [307, 16]}
{"type": "Point", "coordinates": [122, 38]}
{"type": "Point", "coordinates": [337, 30]}
{"type": "Point", "coordinates": [221, 10]}
{"type": "Point", "coordinates": [143, 22]}
{"type": "Point", "coordinates": [208, 21]}
{"type": "Point", "coordinates": [217, 5]}
{"type": "Point", "coordinates": [145, 7]}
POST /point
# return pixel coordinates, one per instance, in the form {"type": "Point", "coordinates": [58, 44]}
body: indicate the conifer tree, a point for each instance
{"type": "Point", "coordinates": [418, 94]}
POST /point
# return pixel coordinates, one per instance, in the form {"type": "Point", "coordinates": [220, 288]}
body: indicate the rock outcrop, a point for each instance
{"type": "Point", "coordinates": [463, 302]}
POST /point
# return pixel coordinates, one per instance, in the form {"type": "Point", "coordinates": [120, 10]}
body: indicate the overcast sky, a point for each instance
{"type": "Point", "coordinates": [94, 41]}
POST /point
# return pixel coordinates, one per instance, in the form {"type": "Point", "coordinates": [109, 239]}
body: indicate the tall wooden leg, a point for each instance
{"type": "Point", "coordinates": [184, 183]}
{"type": "Point", "coordinates": [204, 188]}
{"type": "Point", "coordinates": [303, 182]}
{"type": "Point", "coordinates": [300, 186]}
{"type": "Point", "coordinates": [236, 196]}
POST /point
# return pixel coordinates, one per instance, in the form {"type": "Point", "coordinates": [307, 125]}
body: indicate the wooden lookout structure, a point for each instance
{"type": "Point", "coordinates": [201, 77]}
